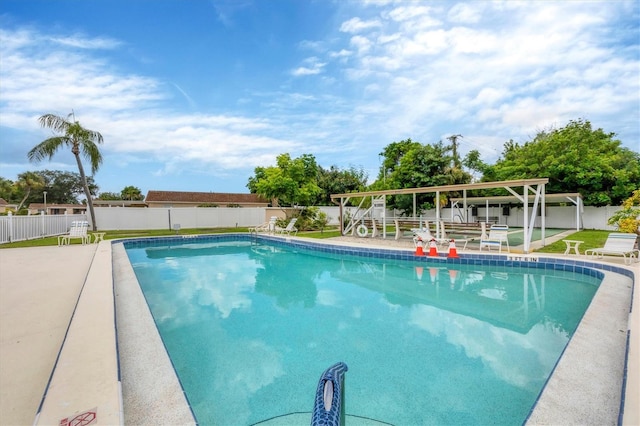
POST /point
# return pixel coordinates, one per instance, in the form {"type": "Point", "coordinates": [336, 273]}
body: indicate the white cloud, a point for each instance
{"type": "Point", "coordinates": [411, 12]}
{"type": "Point", "coordinates": [82, 42]}
{"type": "Point", "coordinates": [312, 67]}
{"type": "Point", "coordinates": [63, 79]}
{"type": "Point", "coordinates": [424, 43]}
{"type": "Point", "coordinates": [300, 71]}
{"type": "Point", "coordinates": [466, 13]}
{"type": "Point", "coordinates": [343, 53]}
{"type": "Point", "coordinates": [314, 45]}
{"type": "Point", "coordinates": [356, 25]}
{"type": "Point", "coordinates": [362, 44]}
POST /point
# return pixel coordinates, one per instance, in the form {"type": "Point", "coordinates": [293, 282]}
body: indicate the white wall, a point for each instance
{"type": "Point", "coordinates": [563, 217]}
{"type": "Point", "coordinates": [125, 218]}
{"type": "Point", "coordinates": [597, 217]}
{"type": "Point", "coordinates": [129, 218]}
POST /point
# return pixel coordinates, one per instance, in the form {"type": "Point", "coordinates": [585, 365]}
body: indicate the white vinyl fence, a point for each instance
{"type": "Point", "coordinates": [123, 218]}
{"type": "Point", "coordinates": [129, 218]}
{"type": "Point", "coordinates": [20, 228]}
{"type": "Point", "coordinates": [17, 228]}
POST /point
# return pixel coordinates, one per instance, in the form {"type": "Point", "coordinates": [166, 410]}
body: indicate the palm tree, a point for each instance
{"type": "Point", "coordinates": [131, 193]}
{"type": "Point", "coordinates": [79, 139]}
{"type": "Point", "coordinates": [26, 182]}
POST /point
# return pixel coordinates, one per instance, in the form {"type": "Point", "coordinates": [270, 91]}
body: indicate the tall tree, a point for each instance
{"type": "Point", "coordinates": [473, 162]}
{"type": "Point", "coordinates": [26, 182]}
{"type": "Point", "coordinates": [410, 164]}
{"type": "Point", "coordinates": [80, 140]}
{"type": "Point", "coordinates": [575, 158]}
{"type": "Point", "coordinates": [292, 181]}
{"type": "Point", "coordinates": [336, 181]}
{"type": "Point", "coordinates": [64, 187]}
{"type": "Point", "coordinates": [109, 196]}
{"type": "Point", "coordinates": [392, 156]}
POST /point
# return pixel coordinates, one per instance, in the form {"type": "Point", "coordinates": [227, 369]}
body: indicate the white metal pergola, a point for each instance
{"type": "Point", "coordinates": [533, 191]}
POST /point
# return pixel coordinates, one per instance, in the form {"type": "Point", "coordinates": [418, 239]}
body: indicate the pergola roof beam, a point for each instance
{"type": "Point", "coordinates": [446, 188]}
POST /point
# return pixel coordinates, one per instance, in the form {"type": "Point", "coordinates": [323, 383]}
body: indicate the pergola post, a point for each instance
{"type": "Point", "coordinates": [526, 216]}
{"type": "Point", "coordinates": [464, 206]}
{"type": "Point", "coordinates": [543, 216]}
{"type": "Point", "coordinates": [415, 210]}
{"type": "Point", "coordinates": [438, 214]}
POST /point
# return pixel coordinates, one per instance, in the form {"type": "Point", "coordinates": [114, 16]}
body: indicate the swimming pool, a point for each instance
{"type": "Point", "coordinates": [466, 344]}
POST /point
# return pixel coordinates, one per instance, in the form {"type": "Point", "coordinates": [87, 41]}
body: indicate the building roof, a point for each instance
{"type": "Point", "coordinates": [118, 203]}
{"type": "Point", "coordinates": [40, 206]}
{"type": "Point", "coordinates": [204, 197]}
{"type": "Point", "coordinates": [3, 202]}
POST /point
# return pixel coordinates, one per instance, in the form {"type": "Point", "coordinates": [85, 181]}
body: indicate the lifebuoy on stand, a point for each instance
{"type": "Point", "coordinates": [362, 230]}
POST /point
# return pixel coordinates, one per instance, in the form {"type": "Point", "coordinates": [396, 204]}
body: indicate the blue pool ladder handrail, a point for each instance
{"type": "Point", "coordinates": [329, 403]}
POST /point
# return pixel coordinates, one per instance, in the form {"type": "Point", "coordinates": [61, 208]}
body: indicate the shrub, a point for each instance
{"type": "Point", "coordinates": [627, 219]}
{"type": "Point", "coordinates": [309, 218]}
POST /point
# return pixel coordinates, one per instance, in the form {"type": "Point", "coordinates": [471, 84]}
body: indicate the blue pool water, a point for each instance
{"type": "Point", "coordinates": [250, 328]}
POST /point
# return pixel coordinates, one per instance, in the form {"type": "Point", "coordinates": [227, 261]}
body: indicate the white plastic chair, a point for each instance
{"type": "Point", "coordinates": [78, 229]}
{"type": "Point", "coordinates": [497, 236]}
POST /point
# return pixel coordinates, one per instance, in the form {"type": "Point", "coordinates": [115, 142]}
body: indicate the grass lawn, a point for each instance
{"type": "Point", "coordinates": [113, 235]}
{"type": "Point", "coordinates": [591, 238]}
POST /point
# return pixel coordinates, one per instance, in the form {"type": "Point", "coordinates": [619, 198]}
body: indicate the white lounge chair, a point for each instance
{"type": "Point", "coordinates": [265, 227]}
{"type": "Point", "coordinates": [289, 228]}
{"type": "Point", "coordinates": [422, 236]}
{"type": "Point", "coordinates": [497, 236]}
{"type": "Point", "coordinates": [618, 243]}
{"type": "Point", "coordinates": [78, 230]}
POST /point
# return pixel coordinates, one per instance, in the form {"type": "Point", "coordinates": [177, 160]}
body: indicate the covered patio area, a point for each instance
{"type": "Point", "coordinates": [370, 212]}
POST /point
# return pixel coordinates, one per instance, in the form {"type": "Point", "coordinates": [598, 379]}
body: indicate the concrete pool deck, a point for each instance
{"type": "Point", "coordinates": [39, 288]}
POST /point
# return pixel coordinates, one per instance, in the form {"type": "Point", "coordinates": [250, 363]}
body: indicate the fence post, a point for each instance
{"type": "Point", "coordinates": [10, 227]}
{"type": "Point", "coordinates": [42, 232]}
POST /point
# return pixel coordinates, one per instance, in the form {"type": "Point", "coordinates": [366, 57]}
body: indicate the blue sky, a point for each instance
{"type": "Point", "coordinates": [193, 95]}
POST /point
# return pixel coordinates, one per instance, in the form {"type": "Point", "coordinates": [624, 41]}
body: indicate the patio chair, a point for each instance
{"type": "Point", "coordinates": [265, 227]}
{"type": "Point", "coordinates": [78, 230]}
{"type": "Point", "coordinates": [618, 243]}
{"type": "Point", "coordinates": [289, 228]}
{"type": "Point", "coordinates": [497, 236]}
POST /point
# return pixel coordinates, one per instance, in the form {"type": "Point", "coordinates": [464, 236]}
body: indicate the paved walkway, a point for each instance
{"type": "Point", "coordinates": [39, 288]}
